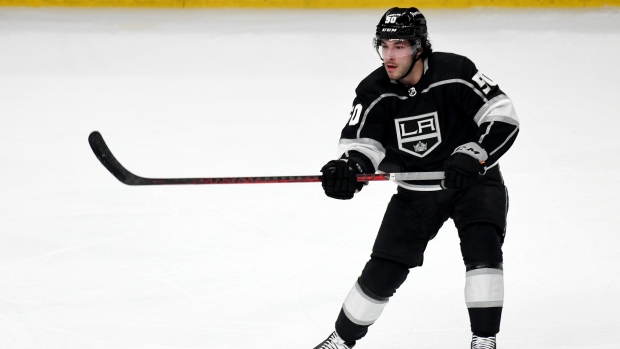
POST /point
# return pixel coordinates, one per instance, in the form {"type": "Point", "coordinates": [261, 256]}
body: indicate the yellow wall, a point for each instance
{"type": "Point", "coordinates": [314, 3]}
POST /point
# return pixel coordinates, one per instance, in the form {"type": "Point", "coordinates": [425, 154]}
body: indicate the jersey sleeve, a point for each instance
{"type": "Point", "coordinates": [491, 110]}
{"type": "Point", "coordinates": [363, 137]}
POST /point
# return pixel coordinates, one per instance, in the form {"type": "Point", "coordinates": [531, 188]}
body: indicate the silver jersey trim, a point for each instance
{"type": "Point", "coordinates": [372, 105]}
{"type": "Point", "coordinates": [458, 81]}
{"type": "Point", "coordinates": [373, 149]}
{"type": "Point", "coordinates": [499, 108]}
{"type": "Point", "coordinates": [418, 187]}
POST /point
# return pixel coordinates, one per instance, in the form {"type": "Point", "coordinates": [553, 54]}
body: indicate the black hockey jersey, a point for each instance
{"type": "Point", "coordinates": [397, 128]}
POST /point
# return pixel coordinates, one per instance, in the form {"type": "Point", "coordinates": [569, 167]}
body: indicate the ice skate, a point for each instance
{"type": "Point", "coordinates": [333, 342]}
{"type": "Point", "coordinates": [482, 342]}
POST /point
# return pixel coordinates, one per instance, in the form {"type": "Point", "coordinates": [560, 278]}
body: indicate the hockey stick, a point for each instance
{"type": "Point", "coordinates": [108, 160]}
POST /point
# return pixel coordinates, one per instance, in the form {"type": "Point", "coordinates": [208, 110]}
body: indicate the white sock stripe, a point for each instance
{"type": "Point", "coordinates": [484, 288]}
{"type": "Point", "coordinates": [356, 320]}
{"type": "Point", "coordinates": [496, 304]}
{"type": "Point", "coordinates": [484, 271]}
{"type": "Point", "coordinates": [362, 309]}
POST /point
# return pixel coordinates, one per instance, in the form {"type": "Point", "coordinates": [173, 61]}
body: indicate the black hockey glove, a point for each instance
{"type": "Point", "coordinates": [463, 166]}
{"type": "Point", "coordinates": [339, 179]}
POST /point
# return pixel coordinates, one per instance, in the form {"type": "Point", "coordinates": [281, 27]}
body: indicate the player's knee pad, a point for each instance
{"type": "Point", "coordinates": [481, 242]}
{"type": "Point", "coordinates": [370, 294]}
{"type": "Point", "coordinates": [382, 277]}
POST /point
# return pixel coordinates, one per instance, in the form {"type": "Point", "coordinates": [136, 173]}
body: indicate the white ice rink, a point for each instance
{"type": "Point", "coordinates": [87, 262]}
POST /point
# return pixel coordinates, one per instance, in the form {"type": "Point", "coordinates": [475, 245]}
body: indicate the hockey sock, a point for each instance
{"type": "Point", "coordinates": [484, 297]}
{"type": "Point", "coordinates": [481, 246]}
{"type": "Point", "coordinates": [368, 297]}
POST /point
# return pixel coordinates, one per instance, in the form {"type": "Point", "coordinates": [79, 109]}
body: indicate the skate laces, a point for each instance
{"type": "Point", "coordinates": [482, 342]}
{"type": "Point", "coordinates": [333, 342]}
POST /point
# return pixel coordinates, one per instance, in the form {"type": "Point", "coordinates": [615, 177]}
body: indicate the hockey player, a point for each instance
{"type": "Point", "coordinates": [426, 111]}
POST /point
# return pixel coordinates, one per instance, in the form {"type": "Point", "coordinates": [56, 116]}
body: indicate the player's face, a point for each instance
{"type": "Point", "coordinates": [397, 57]}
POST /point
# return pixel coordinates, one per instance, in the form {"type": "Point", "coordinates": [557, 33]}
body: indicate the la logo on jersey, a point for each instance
{"type": "Point", "coordinates": [418, 135]}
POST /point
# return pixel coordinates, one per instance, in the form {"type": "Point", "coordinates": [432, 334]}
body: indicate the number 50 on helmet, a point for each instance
{"type": "Point", "coordinates": [403, 24]}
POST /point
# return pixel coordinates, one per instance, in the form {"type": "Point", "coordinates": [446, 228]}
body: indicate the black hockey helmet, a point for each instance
{"type": "Point", "coordinates": [401, 24]}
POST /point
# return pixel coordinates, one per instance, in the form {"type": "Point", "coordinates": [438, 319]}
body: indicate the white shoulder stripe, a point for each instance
{"type": "Point", "coordinates": [372, 105]}
{"type": "Point", "coordinates": [457, 81]}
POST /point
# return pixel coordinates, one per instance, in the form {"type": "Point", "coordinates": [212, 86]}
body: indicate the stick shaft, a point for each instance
{"type": "Point", "coordinates": [110, 162]}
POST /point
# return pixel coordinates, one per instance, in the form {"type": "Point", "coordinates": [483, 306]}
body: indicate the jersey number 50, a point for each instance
{"type": "Point", "coordinates": [484, 82]}
{"type": "Point", "coordinates": [355, 115]}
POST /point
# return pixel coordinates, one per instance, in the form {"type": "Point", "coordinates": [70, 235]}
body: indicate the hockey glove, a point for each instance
{"type": "Point", "coordinates": [339, 179]}
{"type": "Point", "coordinates": [463, 166]}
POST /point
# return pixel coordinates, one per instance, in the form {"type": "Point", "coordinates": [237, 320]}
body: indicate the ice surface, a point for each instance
{"type": "Point", "coordinates": [86, 262]}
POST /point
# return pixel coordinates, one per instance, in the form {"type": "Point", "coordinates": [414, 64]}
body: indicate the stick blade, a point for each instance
{"type": "Point", "coordinates": [107, 159]}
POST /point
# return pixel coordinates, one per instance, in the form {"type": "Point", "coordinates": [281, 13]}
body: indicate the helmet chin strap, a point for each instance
{"type": "Point", "coordinates": [415, 59]}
